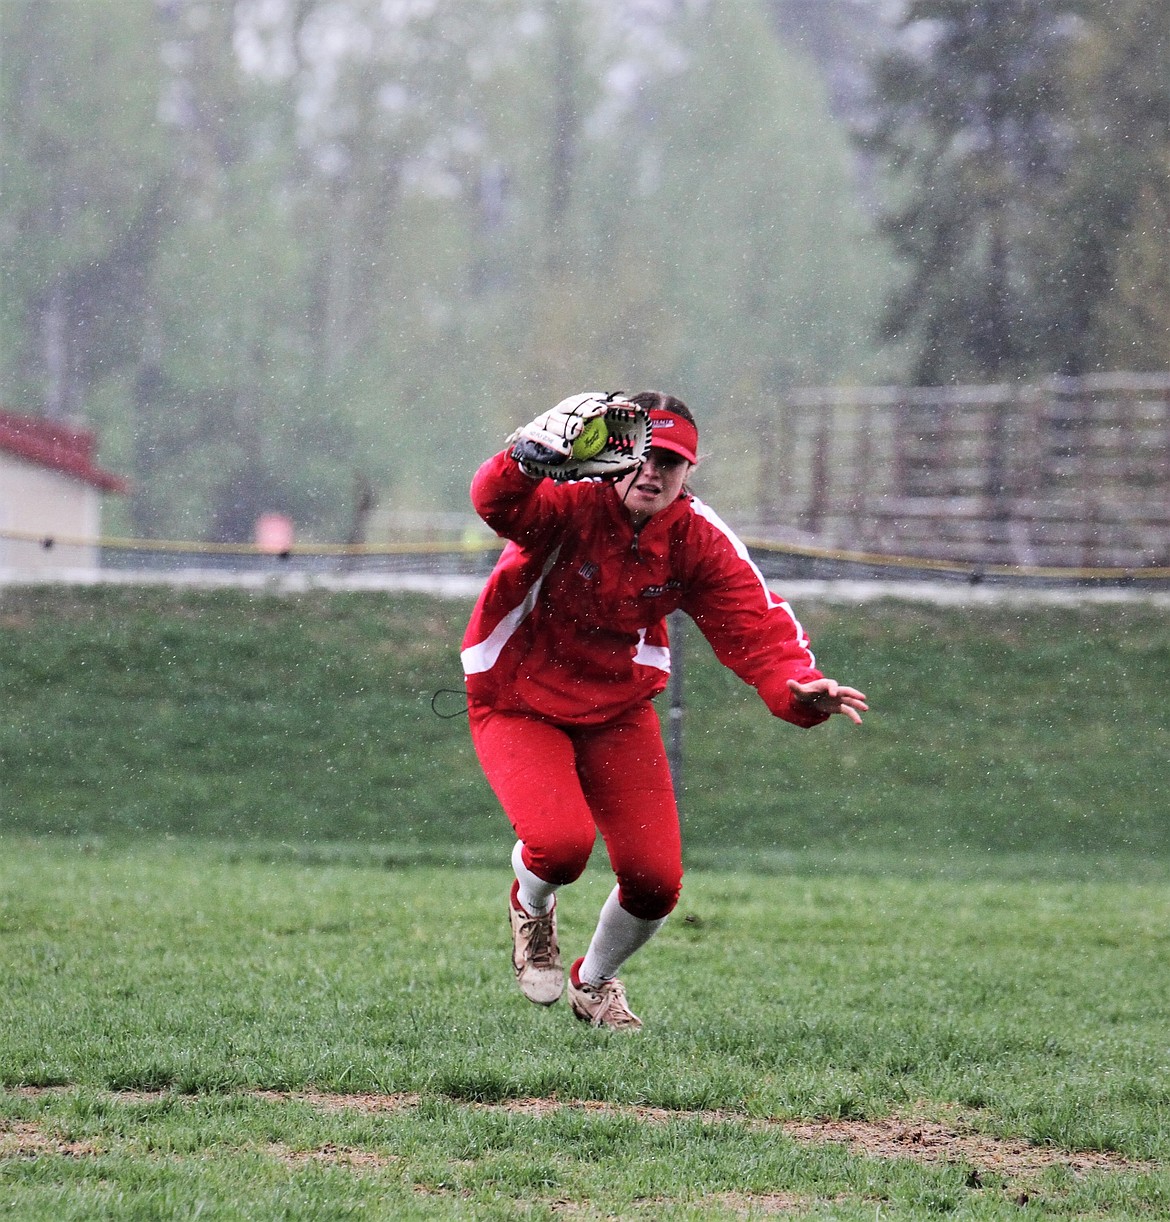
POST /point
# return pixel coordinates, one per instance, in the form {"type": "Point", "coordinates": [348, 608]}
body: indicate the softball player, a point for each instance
{"type": "Point", "coordinates": [565, 651]}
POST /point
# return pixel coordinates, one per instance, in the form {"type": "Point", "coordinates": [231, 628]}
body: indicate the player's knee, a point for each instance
{"type": "Point", "coordinates": [651, 895]}
{"type": "Point", "coordinates": [561, 860]}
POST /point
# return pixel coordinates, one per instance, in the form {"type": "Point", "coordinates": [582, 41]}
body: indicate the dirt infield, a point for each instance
{"type": "Point", "coordinates": [929, 1134]}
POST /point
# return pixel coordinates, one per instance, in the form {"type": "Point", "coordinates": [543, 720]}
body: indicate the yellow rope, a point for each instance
{"type": "Point", "coordinates": [875, 559]}
{"type": "Point", "coordinates": [246, 549]}
{"type": "Point", "coordinates": [1104, 573]}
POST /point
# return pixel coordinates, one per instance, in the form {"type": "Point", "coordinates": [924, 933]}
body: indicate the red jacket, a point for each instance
{"type": "Point", "coordinates": [571, 625]}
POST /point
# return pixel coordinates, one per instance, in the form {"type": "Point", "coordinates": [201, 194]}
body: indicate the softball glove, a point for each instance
{"type": "Point", "coordinates": [564, 443]}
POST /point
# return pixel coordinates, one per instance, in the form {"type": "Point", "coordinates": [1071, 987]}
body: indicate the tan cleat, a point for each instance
{"type": "Point", "coordinates": [536, 957]}
{"type": "Point", "coordinates": [601, 1005]}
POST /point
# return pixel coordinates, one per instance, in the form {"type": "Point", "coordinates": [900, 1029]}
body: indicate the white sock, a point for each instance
{"type": "Point", "coordinates": [535, 895]}
{"type": "Point", "coordinates": [617, 936]}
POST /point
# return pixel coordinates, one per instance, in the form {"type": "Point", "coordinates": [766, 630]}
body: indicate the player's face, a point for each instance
{"type": "Point", "coordinates": [654, 485]}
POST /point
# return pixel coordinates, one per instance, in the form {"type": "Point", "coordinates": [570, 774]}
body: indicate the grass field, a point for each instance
{"type": "Point", "coordinates": [1037, 735]}
{"type": "Point", "coordinates": [253, 957]}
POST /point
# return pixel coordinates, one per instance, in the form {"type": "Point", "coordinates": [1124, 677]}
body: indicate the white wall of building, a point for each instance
{"type": "Point", "coordinates": [46, 504]}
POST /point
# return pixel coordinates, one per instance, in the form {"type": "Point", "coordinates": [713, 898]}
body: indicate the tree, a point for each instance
{"type": "Point", "coordinates": [85, 200]}
{"type": "Point", "coordinates": [970, 117]}
{"type": "Point", "coordinates": [277, 236]}
{"type": "Point", "coordinates": [1133, 319]}
{"type": "Point", "coordinates": [1115, 212]}
{"type": "Point", "coordinates": [236, 421]}
{"type": "Point", "coordinates": [623, 195]}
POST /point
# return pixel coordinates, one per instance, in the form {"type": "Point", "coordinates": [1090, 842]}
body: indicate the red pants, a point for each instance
{"type": "Point", "coordinates": [560, 785]}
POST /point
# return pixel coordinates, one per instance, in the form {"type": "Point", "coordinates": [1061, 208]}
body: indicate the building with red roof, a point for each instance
{"type": "Point", "coordinates": [51, 492]}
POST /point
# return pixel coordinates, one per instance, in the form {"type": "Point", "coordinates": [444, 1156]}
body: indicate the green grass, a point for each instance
{"type": "Point", "coordinates": [226, 715]}
{"type": "Point", "coordinates": [993, 731]}
{"type": "Point", "coordinates": [1033, 738]}
{"type": "Point", "coordinates": [1038, 1010]}
{"type": "Point", "coordinates": [239, 853]}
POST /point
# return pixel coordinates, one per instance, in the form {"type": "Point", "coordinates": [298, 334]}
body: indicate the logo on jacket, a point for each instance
{"type": "Point", "coordinates": [588, 570]}
{"type": "Point", "coordinates": [658, 591]}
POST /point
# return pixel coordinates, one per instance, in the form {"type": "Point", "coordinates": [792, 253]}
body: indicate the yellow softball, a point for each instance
{"type": "Point", "coordinates": [591, 439]}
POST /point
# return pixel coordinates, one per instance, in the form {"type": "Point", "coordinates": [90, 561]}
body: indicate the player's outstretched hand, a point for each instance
{"type": "Point", "coordinates": [829, 696]}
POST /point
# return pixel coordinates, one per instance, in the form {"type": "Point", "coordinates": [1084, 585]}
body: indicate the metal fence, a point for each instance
{"type": "Point", "coordinates": [1071, 473]}
{"type": "Point", "coordinates": [1060, 481]}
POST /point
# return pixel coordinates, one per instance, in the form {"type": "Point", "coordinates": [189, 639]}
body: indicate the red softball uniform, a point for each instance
{"type": "Point", "coordinates": [566, 646]}
{"type": "Point", "coordinates": [571, 625]}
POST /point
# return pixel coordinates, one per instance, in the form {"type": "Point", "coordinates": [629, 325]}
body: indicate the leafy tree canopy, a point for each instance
{"type": "Point", "coordinates": [266, 244]}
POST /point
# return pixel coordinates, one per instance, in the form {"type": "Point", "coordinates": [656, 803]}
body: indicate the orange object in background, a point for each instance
{"type": "Point", "coordinates": [274, 533]}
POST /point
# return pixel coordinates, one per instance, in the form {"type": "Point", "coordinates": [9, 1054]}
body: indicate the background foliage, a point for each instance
{"type": "Point", "coordinates": [264, 244]}
{"type": "Point", "coordinates": [279, 251]}
{"type": "Point", "coordinates": [1029, 142]}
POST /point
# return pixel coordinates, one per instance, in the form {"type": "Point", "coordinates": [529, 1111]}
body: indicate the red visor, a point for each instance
{"type": "Point", "coordinates": [671, 432]}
